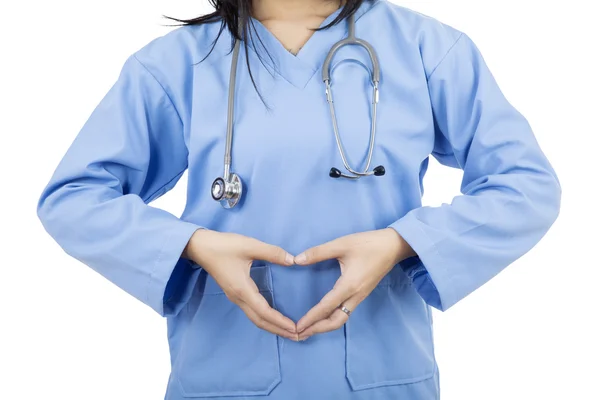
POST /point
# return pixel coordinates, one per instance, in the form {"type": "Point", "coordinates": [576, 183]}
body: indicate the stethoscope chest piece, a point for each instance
{"type": "Point", "coordinates": [228, 192]}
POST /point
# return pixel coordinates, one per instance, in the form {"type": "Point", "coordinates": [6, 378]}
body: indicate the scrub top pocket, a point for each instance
{"type": "Point", "coordinates": [224, 353]}
{"type": "Point", "coordinates": [389, 336]}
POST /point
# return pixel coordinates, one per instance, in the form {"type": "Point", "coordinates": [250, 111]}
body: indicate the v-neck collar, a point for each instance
{"type": "Point", "coordinates": [299, 69]}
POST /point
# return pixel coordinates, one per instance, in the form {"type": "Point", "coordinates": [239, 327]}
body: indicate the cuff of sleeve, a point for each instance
{"type": "Point", "coordinates": [421, 281]}
{"type": "Point", "coordinates": [180, 286]}
{"type": "Point", "coordinates": [434, 286]}
{"type": "Point", "coordinates": [168, 260]}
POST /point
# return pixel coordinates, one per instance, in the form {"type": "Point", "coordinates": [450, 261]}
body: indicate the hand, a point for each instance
{"type": "Point", "coordinates": [227, 257]}
{"type": "Point", "coordinates": [365, 258]}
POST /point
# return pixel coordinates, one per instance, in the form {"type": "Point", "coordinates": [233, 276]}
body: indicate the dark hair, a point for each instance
{"type": "Point", "coordinates": [237, 13]}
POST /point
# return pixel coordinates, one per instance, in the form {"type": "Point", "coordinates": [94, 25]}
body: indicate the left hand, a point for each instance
{"type": "Point", "coordinates": [365, 258]}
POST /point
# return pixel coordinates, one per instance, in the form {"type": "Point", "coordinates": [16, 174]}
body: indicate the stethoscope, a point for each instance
{"type": "Point", "coordinates": [228, 189]}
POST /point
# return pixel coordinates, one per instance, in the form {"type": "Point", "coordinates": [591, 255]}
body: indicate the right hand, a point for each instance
{"type": "Point", "coordinates": [227, 257]}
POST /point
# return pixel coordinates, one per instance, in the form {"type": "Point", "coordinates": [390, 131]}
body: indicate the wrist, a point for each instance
{"type": "Point", "coordinates": [402, 250]}
{"type": "Point", "coordinates": [193, 249]}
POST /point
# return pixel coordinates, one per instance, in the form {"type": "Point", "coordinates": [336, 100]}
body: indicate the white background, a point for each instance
{"type": "Point", "coordinates": [67, 333]}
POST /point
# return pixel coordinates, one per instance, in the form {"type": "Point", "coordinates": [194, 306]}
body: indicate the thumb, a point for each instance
{"type": "Point", "coordinates": [322, 252]}
{"type": "Point", "coordinates": [272, 254]}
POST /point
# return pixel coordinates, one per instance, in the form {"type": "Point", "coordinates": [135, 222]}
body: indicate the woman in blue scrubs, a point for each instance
{"type": "Point", "coordinates": [311, 287]}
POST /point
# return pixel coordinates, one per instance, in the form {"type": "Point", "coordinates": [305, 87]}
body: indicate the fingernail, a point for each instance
{"type": "Point", "coordinates": [302, 338]}
{"type": "Point", "coordinates": [292, 330]}
{"type": "Point", "coordinates": [300, 258]}
{"type": "Point", "coordinates": [289, 258]}
{"type": "Point", "coordinates": [298, 330]}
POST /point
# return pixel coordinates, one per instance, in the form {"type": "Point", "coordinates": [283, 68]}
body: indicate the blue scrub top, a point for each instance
{"type": "Point", "coordinates": [166, 114]}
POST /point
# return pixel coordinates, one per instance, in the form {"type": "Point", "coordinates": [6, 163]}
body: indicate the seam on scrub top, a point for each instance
{"type": "Point", "coordinates": [161, 86]}
{"type": "Point", "coordinates": [375, 3]}
{"type": "Point", "coordinates": [405, 381]}
{"type": "Point", "coordinates": [444, 57]}
{"type": "Point", "coordinates": [445, 154]}
{"type": "Point", "coordinates": [177, 176]}
{"type": "Point", "coordinates": [223, 293]}
{"type": "Point", "coordinates": [443, 265]}
{"type": "Point", "coordinates": [153, 271]}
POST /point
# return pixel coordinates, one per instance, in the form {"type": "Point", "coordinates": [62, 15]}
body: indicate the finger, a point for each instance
{"type": "Point", "coordinates": [340, 292]}
{"type": "Point", "coordinates": [322, 252]}
{"type": "Point", "coordinates": [265, 325]}
{"type": "Point", "coordinates": [261, 307]}
{"type": "Point", "coordinates": [249, 295]}
{"type": "Point", "coordinates": [331, 323]}
{"type": "Point", "coordinates": [334, 321]}
{"type": "Point", "coordinates": [270, 253]}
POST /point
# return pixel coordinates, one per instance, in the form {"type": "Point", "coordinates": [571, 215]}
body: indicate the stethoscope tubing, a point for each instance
{"type": "Point", "coordinates": [230, 110]}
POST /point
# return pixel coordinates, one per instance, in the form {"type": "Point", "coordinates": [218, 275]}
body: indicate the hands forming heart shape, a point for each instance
{"type": "Point", "coordinates": [364, 258]}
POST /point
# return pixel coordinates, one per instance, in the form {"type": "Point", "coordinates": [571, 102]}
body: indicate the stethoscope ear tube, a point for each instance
{"type": "Point", "coordinates": [352, 40]}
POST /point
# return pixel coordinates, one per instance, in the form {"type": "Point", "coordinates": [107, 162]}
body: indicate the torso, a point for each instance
{"type": "Point", "coordinates": [283, 156]}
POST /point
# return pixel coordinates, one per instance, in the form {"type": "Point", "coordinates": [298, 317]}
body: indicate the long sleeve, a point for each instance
{"type": "Point", "coordinates": [510, 193]}
{"type": "Point", "coordinates": [130, 151]}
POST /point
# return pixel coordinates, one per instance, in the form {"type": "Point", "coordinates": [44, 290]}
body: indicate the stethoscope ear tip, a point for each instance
{"type": "Point", "coordinates": [335, 173]}
{"type": "Point", "coordinates": [379, 170]}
